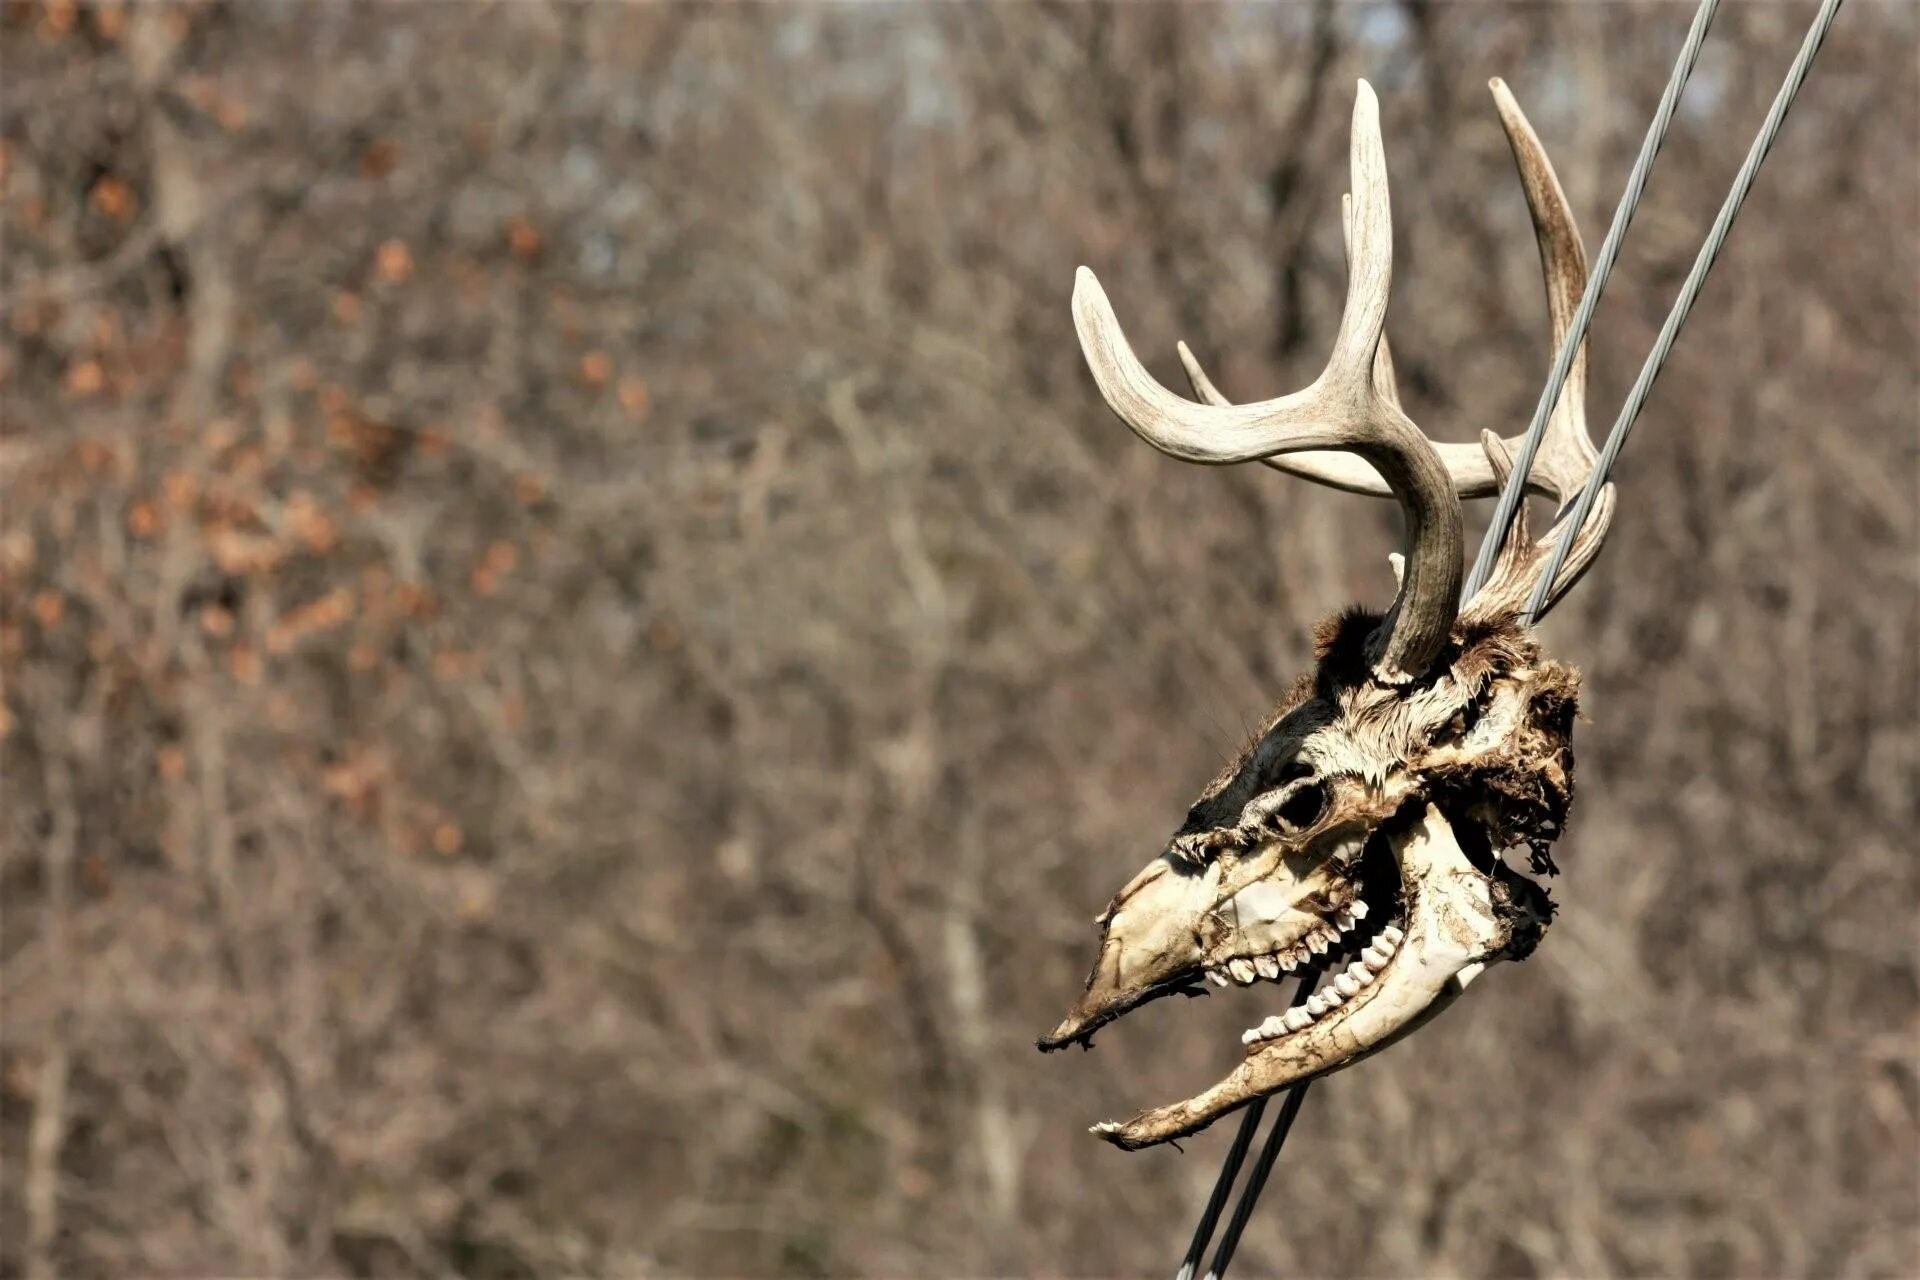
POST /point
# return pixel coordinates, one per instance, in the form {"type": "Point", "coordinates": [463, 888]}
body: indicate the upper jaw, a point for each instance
{"type": "Point", "coordinates": [1456, 923]}
{"type": "Point", "coordinates": [1174, 926]}
{"type": "Point", "coordinates": [1149, 948]}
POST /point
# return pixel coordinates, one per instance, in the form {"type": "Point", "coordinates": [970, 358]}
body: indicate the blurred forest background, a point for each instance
{"type": "Point", "coordinates": [580, 650]}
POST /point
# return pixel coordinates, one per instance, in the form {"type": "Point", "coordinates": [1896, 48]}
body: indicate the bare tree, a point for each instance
{"type": "Point", "coordinates": [574, 635]}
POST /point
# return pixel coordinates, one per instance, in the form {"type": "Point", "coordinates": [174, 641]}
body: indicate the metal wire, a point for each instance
{"type": "Point", "coordinates": [1203, 1232]}
{"type": "Point", "coordinates": [1515, 490]}
{"type": "Point", "coordinates": [1257, 1180]}
{"type": "Point", "coordinates": [1689, 290]}
{"type": "Point", "coordinates": [1230, 1169]}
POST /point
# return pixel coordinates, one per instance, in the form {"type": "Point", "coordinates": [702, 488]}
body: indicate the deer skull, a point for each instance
{"type": "Point", "coordinates": [1356, 840]}
{"type": "Point", "coordinates": [1360, 838]}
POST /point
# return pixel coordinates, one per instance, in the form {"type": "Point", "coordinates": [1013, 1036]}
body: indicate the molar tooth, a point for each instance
{"type": "Point", "coordinates": [1317, 942]}
{"type": "Point", "coordinates": [1360, 973]}
{"type": "Point", "coordinates": [1267, 967]}
{"type": "Point", "coordinates": [1217, 978]}
{"type": "Point", "coordinates": [1359, 909]}
{"type": "Point", "coordinates": [1316, 1004]}
{"type": "Point", "coordinates": [1286, 960]}
{"type": "Point", "coordinates": [1297, 1018]}
{"type": "Point", "coordinates": [1345, 920]}
{"type": "Point", "coordinates": [1250, 1036]}
{"type": "Point", "coordinates": [1392, 934]}
{"type": "Point", "coordinates": [1375, 958]}
{"type": "Point", "coordinates": [1241, 969]}
{"type": "Point", "coordinates": [1274, 1026]}
{"type": "Point", "coordinates": [1346, 984]}
{"type": "Point", "coordinates": [1333, 997]}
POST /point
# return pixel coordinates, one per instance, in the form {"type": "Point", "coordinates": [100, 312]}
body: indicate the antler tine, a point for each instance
{"type": "Point", "coordinates": [1386, 384]}
{"type": "Point", "coordinates": [1566, 456]}
{"type": "Point", "coordinates": [1343, 409]}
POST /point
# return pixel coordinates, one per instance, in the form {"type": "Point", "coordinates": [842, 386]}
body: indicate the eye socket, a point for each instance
{"type": "Point", "coordinates": [1304, 807]}
{"type": "Point", "coordinates": [1292, 771]}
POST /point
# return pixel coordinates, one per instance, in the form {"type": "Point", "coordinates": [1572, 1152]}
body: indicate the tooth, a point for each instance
{"type": "Point", "coordinates": [1392, 934]}
{"type": "Point", "coordinates": [1267, 967]}
{"type": "Point", "coordinates": [1333, 998]}
{"type": "Point", "coordinates": [1218, 978]}
{"type": "Point", "coordinates": [1359, 909]}
{"type": "Point", "coordinates": [1287, 962]}
{"type": "Point", "coordinates": [1375, 958]}
{"type": "Point", "coordinates": [1360, 973]}
{"type": "Point", "coordinates": [1345, 920]}
{"type": "Point", "coordinates": [1346, 985]}
{"type": "Point", "coordinates": [1241, 969]}
{"type": "Point", "coordinates": [1317, 943]}
{"type": "Point", "coordinates": [1276, 1025]}
{"type": "Point", "coordinates": [1300, 953]}
{"type": "Point", "coordinates": [1250, 1037]}
{"type": "Point", "coordinates": [1297, 1018]}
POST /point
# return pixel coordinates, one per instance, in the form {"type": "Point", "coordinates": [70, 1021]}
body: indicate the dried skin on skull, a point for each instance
{"type": "Point", "coordinates": [1359, 837]}
{"type": "Point", "coordinates": [1391, 895]}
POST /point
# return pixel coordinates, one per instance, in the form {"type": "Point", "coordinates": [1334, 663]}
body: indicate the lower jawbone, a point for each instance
{"type": "Point", "coordinates": [1396, 958]}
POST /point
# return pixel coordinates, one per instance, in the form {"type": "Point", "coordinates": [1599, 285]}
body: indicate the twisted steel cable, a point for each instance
{"type": "Point", "coordinates": [1516, 487]}
{"type": "Point", "coordinates": [1513, 492]}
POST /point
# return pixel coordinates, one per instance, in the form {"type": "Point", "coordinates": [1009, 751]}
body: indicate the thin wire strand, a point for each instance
{"type": "Point", "coordinates": [1514, 492]}
{"type": "Point", "coordinates": [1203, 1232]}
{"type": "Point", "coordinates": [1515, 487]}
{"type": "Point", "coordinates": [1230, 1169]}
{"type": "Point", "coordinates": [1257, 1180]}
{"type": "Point", "coordinates": [1689, 291]}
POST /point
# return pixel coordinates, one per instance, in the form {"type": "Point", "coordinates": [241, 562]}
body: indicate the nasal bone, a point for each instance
{"type": "Point", "coordinates": [1148, 874]}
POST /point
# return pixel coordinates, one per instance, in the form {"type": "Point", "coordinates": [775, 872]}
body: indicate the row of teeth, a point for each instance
{"type": "Point", "coordinates": [1245, 971]}
{"type": "Point", "coordinates": [1347, 983]}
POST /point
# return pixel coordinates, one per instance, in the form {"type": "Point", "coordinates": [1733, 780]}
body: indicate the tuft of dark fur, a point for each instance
{"type": "Point", "coordinates": [1521, 794]}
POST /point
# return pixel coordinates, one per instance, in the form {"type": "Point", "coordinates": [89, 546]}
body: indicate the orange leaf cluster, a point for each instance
{"type": "Point", "coordinates": [112, 198]}
{"type": "Point", "coordinates": [356, 780]}
{"type": "Point", "coordinates": [523, 239]}
{"type": "Point", "coordinates": [634, 397]}
{"type": "Point", "coordinates": [500, 560]}
{"type": "Point", "coordinates": [329, 611]}
{"type": "Point", "coordinates": [310, 525]}
{"type": "Point", "coordinates": [395, 262]}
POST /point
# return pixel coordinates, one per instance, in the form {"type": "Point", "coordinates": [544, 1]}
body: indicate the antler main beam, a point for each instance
{"type": "Point", "coordinates": [1344, 409]}
{"type": "Point", "coordinates": [1567, 455]}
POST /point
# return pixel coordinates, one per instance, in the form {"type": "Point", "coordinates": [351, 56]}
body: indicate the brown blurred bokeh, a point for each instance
{"type": "Point", "coordinates": [580, 650]}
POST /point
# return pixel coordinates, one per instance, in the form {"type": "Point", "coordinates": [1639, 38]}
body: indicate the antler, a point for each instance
{"type": "Point", "coordinates": [1351, 407]}
{"type": "Point", "coordinates": [1565, 459]}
